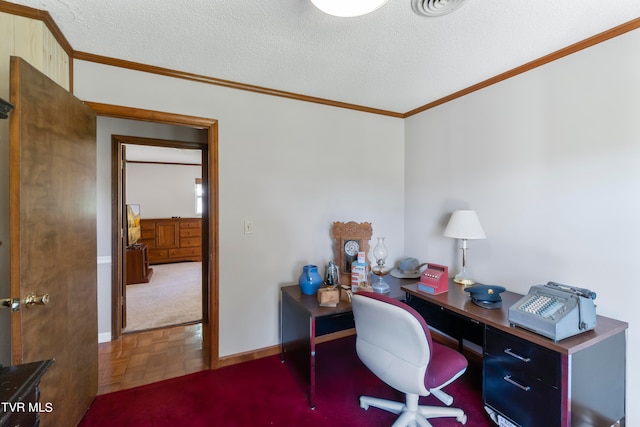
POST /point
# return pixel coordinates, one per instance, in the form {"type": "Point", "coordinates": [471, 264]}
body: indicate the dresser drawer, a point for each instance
{"type": "Point", "coordinates": [158, 254]}
{"type": "Point", "coordinates": [523, 359]}
{"type": "Point", "coordinates": [190, 223]}
{"type": "Point", "coordinates": [184, 252]}
{"type": "Point", "coordinates": [190, 232]}
{"type": "Point", "coordinates": [149, 234]}
{"type": "Point", "coordinates": [146, 225]}
{"type": "Point", "coordinates": [189, 242]}
{"type": "Point", "coordinates": [151, 243]}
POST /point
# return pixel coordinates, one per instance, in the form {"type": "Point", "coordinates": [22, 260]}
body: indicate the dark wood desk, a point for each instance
{"type": "Point", "coordinates": [578, 381]}
{"type": "Point", "coordinates": [302, 320]}
{"type": "Point", "coordinates": [531, 380]}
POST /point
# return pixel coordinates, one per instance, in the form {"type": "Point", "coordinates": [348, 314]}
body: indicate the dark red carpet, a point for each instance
{"type": "Point", "coordinates": [264, 392]}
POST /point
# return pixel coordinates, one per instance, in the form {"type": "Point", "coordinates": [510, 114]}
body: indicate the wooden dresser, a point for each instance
{"type": "Point", "coordinates": [172, 239]}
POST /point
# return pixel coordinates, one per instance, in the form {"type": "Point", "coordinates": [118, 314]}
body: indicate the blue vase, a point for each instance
{"type": "Point", "coordinates": [310, 280]}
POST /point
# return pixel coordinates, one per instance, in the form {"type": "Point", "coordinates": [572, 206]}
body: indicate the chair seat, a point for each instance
{"type": "Point", "coordinates": [445, 366]}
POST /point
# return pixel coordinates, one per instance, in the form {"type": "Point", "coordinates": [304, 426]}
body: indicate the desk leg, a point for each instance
{"type": "Point", "coordinates": [298, 347]}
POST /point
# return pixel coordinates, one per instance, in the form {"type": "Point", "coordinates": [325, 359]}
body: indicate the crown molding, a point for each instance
{"type": "Point", "coordinates": [591, 41]}
{"type": "Point", "coordinates": [84, 56]}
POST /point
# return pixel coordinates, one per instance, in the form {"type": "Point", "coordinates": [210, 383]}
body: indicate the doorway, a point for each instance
{"type": "Point", "coordinates": [210, 328]}
{"type": "Point", "coordinates": [161, 190]}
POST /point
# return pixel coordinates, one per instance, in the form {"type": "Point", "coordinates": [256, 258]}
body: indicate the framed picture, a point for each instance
{"type": "Point", "coordinates": [349, 238]}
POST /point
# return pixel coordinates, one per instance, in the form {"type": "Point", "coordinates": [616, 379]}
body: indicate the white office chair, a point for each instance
{"type": "Point", "coordinates": [393, 341]}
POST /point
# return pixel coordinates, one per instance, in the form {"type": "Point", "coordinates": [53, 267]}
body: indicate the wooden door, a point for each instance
{"type": "Point", "coordinates": [53, 240]}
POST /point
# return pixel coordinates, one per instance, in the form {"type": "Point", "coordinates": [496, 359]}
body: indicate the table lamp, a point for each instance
{"type": "Point", "coordinates": [464, 225]}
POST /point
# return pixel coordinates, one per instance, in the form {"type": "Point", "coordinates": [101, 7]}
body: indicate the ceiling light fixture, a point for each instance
{"type": "Point", "coordinates": [348, 8]}
{"type": "Point", "coordinates": [435, 7]}
{"type": "Point", "coordinates": [351, 8]}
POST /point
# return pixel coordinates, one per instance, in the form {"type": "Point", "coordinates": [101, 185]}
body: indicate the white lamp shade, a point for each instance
{"type": "Point", "coordinates": [464, 224]}
{"type": "Point", "coordinates": [348, 8]}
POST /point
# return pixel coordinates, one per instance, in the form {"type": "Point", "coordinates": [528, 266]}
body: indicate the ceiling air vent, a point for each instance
{"type": "Point", "coordinates": [435, 7]}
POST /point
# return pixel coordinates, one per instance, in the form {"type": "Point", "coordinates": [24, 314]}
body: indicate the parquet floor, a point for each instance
{"type": "Point", "coordinates": [146, 357]}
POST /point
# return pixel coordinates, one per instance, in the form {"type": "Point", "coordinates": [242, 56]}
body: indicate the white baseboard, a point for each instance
{"type": "Point", "coordinates": [104, 337]}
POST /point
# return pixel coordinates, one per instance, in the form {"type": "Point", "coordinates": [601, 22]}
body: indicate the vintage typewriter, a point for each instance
{"type": "Point", "coordinates": [555, 311]}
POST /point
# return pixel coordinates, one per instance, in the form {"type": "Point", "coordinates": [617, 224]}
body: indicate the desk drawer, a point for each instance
{"type": "Point", "coordinates": [522, 380]}
{"type": "Point", "coordinates": [525, 401]}
{"type": "Point", "coordinates": [334, 323]}
{"type": "Point", "coordinates": [448, 322]}
{"type": "Point", "coordinates": [523, 359]}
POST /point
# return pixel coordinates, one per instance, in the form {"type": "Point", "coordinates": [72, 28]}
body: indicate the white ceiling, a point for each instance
{"type": "Point", "coordinates": [391, 59]}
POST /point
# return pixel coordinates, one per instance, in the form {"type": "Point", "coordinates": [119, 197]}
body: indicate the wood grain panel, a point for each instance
{"type": "Point", "coordinates": [53, 239]}
{"type": "Point", "coordinates": [32, 40]}
{"type": "Point", "coordinates": [29, 41]}
{"type": "Point", "coordinates": [56, 61]}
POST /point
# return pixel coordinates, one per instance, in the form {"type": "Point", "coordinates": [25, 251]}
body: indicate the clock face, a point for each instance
{"type": "Point", "coordinates": [351, 247]}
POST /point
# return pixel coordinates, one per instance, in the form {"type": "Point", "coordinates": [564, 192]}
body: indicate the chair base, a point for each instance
{"type": "Point", "coordinates": [412, 414]}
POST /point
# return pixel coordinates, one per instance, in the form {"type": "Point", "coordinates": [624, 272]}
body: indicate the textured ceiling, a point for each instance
{"type": "Point", "coordinates": [391, 59]}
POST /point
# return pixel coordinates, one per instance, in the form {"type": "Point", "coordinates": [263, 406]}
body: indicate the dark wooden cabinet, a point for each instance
{"type": "Point", "coordinates": [138, 270]}
{"type": "Point", "coordinates": [20, 394]}
{"type": "Point", "coordinates": [172, 239]}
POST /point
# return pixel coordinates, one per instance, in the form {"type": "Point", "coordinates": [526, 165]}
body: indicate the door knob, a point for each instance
{"type": "Point", "coordinates": [32, 299]}
{"type": "Point", "coordinates": [12, 303]}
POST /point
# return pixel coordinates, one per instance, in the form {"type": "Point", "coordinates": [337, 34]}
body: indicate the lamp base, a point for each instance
{"type": "Point", "coordinates": [464, 277]}
{"type": "Point", "coordinates": [381, 287]}
{"type": "Point", "coordinates": [463, 281]}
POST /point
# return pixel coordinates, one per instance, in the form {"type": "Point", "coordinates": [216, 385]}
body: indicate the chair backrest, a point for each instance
{"type": "Point", "coordinates": [393, 341]}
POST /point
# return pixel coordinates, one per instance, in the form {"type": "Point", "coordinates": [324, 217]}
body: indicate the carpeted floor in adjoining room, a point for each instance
{"type": "Point", "coordinates": [173, 296]}
{"type": "Point", "coordinates": [264, 392]}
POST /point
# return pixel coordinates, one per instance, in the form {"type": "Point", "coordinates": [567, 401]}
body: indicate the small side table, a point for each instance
{"type": "Point", "coordinates": [138, 270]}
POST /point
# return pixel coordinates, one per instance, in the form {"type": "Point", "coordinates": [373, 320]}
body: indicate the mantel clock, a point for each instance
{"type": "Point", "coordinates": [349, 239]}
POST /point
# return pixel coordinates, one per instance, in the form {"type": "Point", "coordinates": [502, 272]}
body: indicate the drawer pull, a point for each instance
{"type": "Point", "coordinates": [517, 356]}
{"type": "Point", "coordinates": [508, 379]}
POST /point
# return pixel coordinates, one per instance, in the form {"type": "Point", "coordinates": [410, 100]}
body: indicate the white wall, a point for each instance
{"type": "Point", "coordinates": [163, 190]}
{"type": "Point", "coordinates": [550, 160]}
{"type": "Point", "coordinates": [289, 166]}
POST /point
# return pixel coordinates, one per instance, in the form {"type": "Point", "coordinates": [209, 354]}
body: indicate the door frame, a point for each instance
{"type": "Point", "coordinates": [210, 323]}
{"type": "Point", "coordinates": [119, 197]}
